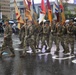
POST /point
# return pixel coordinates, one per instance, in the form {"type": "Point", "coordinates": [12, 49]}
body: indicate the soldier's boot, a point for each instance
{"type": "Point", "coordinates": [45, 47]}
{"type": "Point", "coordinates": [12, 53]}
{"type": "Point", "coordinates": [72, 51]}
{"type": "Point", "coordinates": [22, 55]}
{"type": "Point", "coordinates": [1, 53]}
{"type": "Point", "coordinates": [66, 50]}
{"type": "Point", "coordinates": [48, 51]}
{"type": "Point", "coordinates": [57, 51]}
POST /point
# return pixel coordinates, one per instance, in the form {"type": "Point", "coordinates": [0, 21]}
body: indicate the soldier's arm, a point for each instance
{"type": "Point", "coordinates": [9, 32]}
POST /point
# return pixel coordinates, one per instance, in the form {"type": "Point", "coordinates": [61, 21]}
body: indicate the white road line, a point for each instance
{"type": "Point", "coordinates": [69, 57]}
{"type": "Point", "coordinates": [74, 61]}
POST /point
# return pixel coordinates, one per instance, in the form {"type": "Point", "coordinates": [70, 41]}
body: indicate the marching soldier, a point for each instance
{"type": "Point", "coordinates": [7, 40]}
{"type": "Point", "coordinates": [29, 37]}
{"type": "Point", "coordinates": [22, 34]}
{"type": "Point", "coordinates": [53, 35]}
{"type": "Point", "coordinates": [46, 32]}
{"type": "Point", "coordinates": [60, 38]}
{"type": "Point", "coordinates": [70, 38]}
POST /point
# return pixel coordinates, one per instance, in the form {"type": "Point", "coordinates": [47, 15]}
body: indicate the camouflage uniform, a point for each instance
{"type": "Point", "coordinates": [45, 38]}
{"type": "Point", "coordinates": [64, 36]}
{"type": "Point", "coordinates": [22, 35]}
{"type": "Point", "coordinates": [30, 37]}
{"type": "Point", "coordinates": [70, 38]}
{"type": "Point", "coordinates": [36, 35]}
{"type": "Point", "coordinates": [53, 36]}
{"type": "Point", "coordinates": [7, 40]}
{"type": "Point", "coordinates": [60, 38]}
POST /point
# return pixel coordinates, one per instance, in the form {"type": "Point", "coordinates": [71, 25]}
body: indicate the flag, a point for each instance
{"type": "Point", "coordinates": [27, 11]}
{"type": "Point", "coordinates": [33, 5]}
{"type": "Point", "coordinates": [43, 12]}
{"type": "Point", "coordinates": [18, 16]}
{"type": "Point", "coordinates": [62, 12]}
{"type": "Point", "coordinates": [56, 9]}
{"type": "Point", "coordinates": [49, 11]}
{"type": "Point", "coordinates": [29, 4]}
{"type": "Point", "coordinates": [34, 15]}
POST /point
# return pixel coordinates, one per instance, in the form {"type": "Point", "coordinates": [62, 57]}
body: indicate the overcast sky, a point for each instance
{"type": "Point", "coordinates": [39, 1]}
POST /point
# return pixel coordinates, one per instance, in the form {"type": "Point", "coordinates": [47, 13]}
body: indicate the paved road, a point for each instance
{"type": "Point", "coordinates": [41, 64]}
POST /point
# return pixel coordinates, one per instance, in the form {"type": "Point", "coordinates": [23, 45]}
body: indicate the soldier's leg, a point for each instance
{"type": "Point", "coordinates": [3, 47]}
{"type": "Point", "coordinates": [72, 45]}
{"type": "Point", "coordinates": [11, 49]}
{"type": "Point", "coordinates": [23, 53]}
{"type": "Point", "coordinates": [42, 42]}
{"type": "Point", "coordinates": [50, 43]}
{"type": "Point", "coordinates": [37, 42]}
{"type": "Point", "coordinates": [47, 42]}
{"type": "Point", "coordinates": [32, 46]}
{"type": "Point", "coordinates": [66, 42]}
{"type": "Point", "coordinates": [57, 45]}
{"type": "Point", "coordinates": [62, 43]}
{"type": "Point", "coordinates": [22, 43]}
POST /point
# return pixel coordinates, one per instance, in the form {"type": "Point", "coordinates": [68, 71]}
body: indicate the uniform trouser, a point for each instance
{"type": "Point", "coordinates": [60, 39]}
{"type": "Point", "coordinates": [37, 39]}
{"type": "Point", "coordinates": [69, 40]}
{"type": "Point", "coordinates": [52, 39]}
{"type": "Point", "coordinates": [32, 44]}
{"type": "Point", "coordinates": [22, 42]}
{"type": "Point", "coordinates": [25, 45]}
{"type": "Point", "coordinates": [7, 42]}
{"type": "Point", "coordinates": [45, 41]}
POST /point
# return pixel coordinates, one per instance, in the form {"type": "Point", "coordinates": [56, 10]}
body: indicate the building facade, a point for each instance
{"type": "Point", "coordinates": [5, 8]}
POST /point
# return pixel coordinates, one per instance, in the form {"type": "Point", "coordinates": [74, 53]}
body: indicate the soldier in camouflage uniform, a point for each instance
{"type": "Point", "coordinates": [53, 35]}
{"type": "Point", "coordinates": [60, 38]}
{"type": "Point", "coordinates": [22, 34]}
{"type": "Point", "coordinates": [46, 32]}
{"type": "Point", "coordinates": [70, 38]}
{"type": "Point", "coordinates": [29, 38]}
{"type": "Point", "coordinates": [7, 40]}
{"type": "Point", "coordinates": [64, 36]}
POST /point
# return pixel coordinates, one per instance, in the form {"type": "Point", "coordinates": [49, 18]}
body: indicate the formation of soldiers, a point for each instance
{"type": "Point", "coordinates": [46, 32]}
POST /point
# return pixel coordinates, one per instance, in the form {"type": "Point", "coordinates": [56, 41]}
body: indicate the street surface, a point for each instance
{"type": "Point", "coordinates": [41, 64]}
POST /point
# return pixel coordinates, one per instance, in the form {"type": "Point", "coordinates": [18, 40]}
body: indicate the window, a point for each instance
{"type": "Point", "coordinates": [21, 3]}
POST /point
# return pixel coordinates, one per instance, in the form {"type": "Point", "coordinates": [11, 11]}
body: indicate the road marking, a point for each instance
{"type": "Point", "coordinates": [64, 58]}
{"type": "Point", "coordinates": [18, 49]}
{"type": "Point", "coordinates": [74, 61]}
{"type": "Point", "coordinates": [44, 54]}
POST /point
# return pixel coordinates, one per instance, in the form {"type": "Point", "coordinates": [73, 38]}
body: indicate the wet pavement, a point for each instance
{"type": "Point", "coordinates": [41, 64]}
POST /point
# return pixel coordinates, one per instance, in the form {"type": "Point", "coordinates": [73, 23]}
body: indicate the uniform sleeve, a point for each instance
{"type": "Point", "coordinates": [9, 31]}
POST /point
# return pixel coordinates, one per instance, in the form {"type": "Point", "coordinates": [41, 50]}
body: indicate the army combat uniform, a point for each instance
{"type": "Point", "coordinates": [45, 37]}
{"type": "Point", "coordinates": [70, 38]}
{"type": "Point", "coordinates": [22, 35]}
{"type": "Point", "coordinates": [60, 38]}
{"type": "Point", "coordinates": [7, 40]}
{"type": "Point", "coordinates": [52, 36]}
